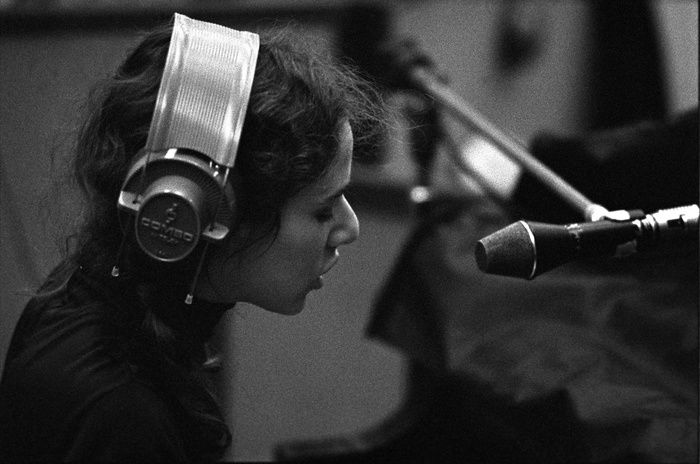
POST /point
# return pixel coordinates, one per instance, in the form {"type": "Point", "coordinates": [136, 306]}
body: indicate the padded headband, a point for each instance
{"type": "Point", "coordinates": [204, 92]}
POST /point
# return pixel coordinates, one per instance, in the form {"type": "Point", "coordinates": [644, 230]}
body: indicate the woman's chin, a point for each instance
{"type": "Point", "coordinates": [285, 308]}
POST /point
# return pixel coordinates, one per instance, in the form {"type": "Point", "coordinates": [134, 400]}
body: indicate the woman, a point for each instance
{"type": "Point", "coordinates": [114, 368]}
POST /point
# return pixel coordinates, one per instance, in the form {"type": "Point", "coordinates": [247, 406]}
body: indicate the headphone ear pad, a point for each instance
{"type": "Point", "coordinates": [176, 198]}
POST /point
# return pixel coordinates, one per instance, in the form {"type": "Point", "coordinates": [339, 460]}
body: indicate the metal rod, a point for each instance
{"type": "Point", "coordinates": [443, 95]}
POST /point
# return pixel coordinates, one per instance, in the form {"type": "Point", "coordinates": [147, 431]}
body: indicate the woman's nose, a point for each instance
{"type": "Point", "coordinates": [348, 228]}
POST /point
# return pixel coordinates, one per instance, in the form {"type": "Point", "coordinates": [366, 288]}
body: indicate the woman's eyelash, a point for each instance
{"type": "Point", "coordinates": [325, 214]}
{"type": "Point", "coordinates": [328, 211]}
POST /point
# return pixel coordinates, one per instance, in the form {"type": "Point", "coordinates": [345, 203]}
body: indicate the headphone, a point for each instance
{"type": "Point", "coordinates": [177, 193]}
{"type": "Point", "coordinates": [176, 198]}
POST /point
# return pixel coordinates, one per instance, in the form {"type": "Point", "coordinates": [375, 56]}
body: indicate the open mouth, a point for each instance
{"type": "Point", "coordinates": [318, 283]}
{"type": "Point", "coordinates": [330, 265]}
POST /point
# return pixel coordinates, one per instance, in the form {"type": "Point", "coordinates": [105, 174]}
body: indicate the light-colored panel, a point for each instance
{"type": "Point", "coordinates": [678, 32]}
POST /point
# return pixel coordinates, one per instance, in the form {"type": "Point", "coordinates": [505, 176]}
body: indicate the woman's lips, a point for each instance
{"type": "Point", "coordinates": [331, 265]}
{"type": "Point", "coordinates": [318, 282]}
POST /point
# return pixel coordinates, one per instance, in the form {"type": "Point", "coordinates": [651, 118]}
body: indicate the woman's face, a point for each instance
{"type": "Point", "coordinates": [277, 275]}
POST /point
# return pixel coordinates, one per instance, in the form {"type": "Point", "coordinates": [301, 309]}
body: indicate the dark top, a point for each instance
{"type": "Point", "coordinates": [65, 396]}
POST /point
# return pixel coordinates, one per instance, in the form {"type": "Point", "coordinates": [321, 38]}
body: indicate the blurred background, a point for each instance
{"type": "Point", "coordinates": [566, 68]}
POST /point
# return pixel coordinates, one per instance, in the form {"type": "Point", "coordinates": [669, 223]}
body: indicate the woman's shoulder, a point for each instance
{"type": "Point", "coordinates": [59, 352]}
{"type": "Point", "coordinates": [69, 313]}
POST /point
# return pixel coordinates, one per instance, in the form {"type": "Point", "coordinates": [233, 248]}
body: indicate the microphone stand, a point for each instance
{"type": "Point", "coordinates": [417, 73]}
{"type": "Point", "coordinates": [662, 224]}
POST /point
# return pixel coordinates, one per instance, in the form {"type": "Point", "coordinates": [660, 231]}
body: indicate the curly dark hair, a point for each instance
{"type": "Point", "coordinates": [298, 101]}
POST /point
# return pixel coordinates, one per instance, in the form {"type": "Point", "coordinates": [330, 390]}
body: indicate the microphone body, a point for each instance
{"type": "Point", "coordinates": [527, 249]}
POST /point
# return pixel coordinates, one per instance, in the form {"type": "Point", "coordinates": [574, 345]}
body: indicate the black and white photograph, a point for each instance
{"type": "Point", "coordinates": [349, 231]}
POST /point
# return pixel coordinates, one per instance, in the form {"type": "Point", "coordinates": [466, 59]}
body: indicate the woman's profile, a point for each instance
{"type": "Point", "coordinates": [108, 360]}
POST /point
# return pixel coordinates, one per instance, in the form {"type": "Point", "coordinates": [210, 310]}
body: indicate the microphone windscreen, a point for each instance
{"type": "Point", "coordinates": [509, 252]}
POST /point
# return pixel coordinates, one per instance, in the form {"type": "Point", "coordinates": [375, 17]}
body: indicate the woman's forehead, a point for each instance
{"type": "Point", "coordinates": [338, 173]}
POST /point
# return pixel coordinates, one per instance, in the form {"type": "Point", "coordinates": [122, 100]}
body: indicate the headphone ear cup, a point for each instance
{"type": "Point", "coordinates": [169, 221]}
{"type": "Point", "coordinates": [174, 199]}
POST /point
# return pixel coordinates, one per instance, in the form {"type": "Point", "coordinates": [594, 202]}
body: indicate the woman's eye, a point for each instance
{"type": "Point", "coordinates": [325, 214]}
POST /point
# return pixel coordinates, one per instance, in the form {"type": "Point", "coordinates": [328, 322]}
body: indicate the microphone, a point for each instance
{"type": "Point", "coordinates": [526, 249]}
